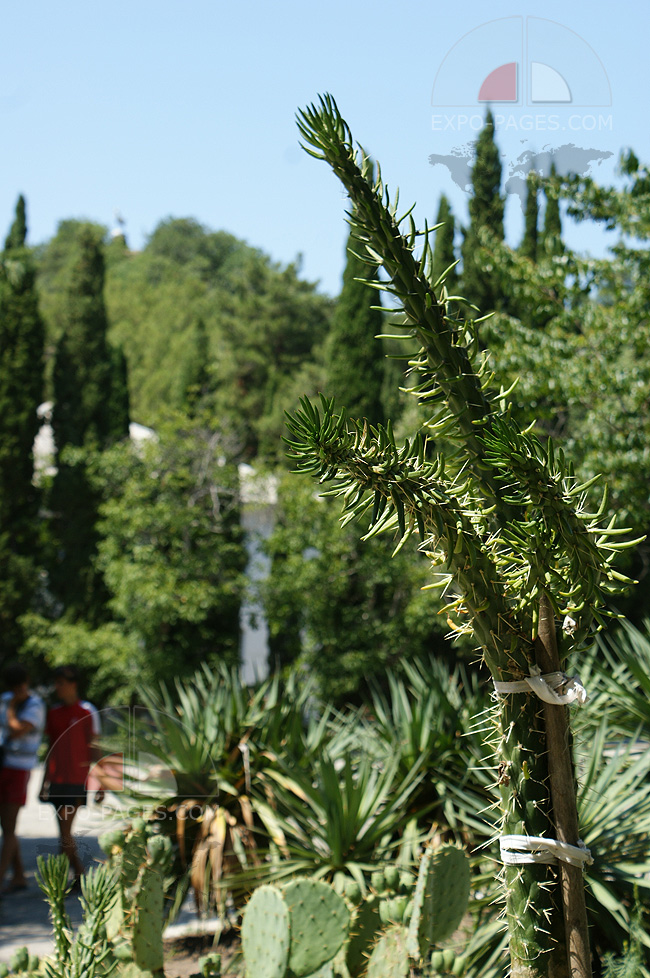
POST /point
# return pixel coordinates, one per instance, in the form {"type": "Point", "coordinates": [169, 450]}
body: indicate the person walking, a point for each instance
{"type": "Point", "coordinates": [72, 728]}
{"type": "Point", "coordinates": [22, 718]}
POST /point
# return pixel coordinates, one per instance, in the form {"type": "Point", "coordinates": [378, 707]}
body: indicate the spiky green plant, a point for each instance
{"type": "Point", "coordinates": [502, 516]}
{"type": "Point", "coordinates": [426, 716]}
{"type": "Point", "coordinates": [216, 735]}
{"type": "Point", "coordinates": [341, 816]}
{"type": "Point", "coordinates": [88, 953]}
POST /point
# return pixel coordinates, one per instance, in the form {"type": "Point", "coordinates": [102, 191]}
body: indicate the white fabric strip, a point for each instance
{"type": "Point", "coordinates": [519, 849]}
{"type": "Point", "coordinates": [552, 687]}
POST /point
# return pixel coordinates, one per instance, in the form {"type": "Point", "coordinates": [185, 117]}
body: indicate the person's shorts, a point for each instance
{"type": "Point", "coordinates": [69, 796]}
{"type": "Point", "coordinates": [13, 785]}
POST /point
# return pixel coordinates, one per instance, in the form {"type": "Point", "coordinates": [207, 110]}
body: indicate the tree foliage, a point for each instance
{"type": "Point", "coordinates": [170, 545]}
{"type": "Point", "coordinates": [444, 254]}
{"type": "Point", "coordinates": [22, 340]}
{"type": "Point", "coordinates": [486, 207]}
{"type": "Point", "coordinates": [365, 612]}
{"type": "Point", "coordinates": [90, 411]}
{"type": "Point", "coordinates": [355, 357]}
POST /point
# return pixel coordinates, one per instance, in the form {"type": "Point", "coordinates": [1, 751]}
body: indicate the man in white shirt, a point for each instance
{"type": "Point", "coordinates": [22, 719]}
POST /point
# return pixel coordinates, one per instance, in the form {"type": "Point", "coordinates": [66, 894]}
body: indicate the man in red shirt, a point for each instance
{"type": "Point", "coordinates": [72, 727]}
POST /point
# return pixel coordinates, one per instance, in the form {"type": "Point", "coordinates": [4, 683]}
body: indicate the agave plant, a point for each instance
{"type": "Point", "coordinates": [428, 716]}
{"type": "Point", "coordinates": [342, 816]}
{"type": "Point", "coordinates": [615, 817]}
{"type": "Point", "coordinates": [618, 673]}
{"type": "Point", "coordinates": [213, 736]}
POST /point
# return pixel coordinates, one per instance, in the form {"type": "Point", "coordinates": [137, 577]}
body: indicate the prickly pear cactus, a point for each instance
{"type": "Point", "coordinates": [112, 841]}
{"type": "Point", "coordinates": [159, 850]}
{"type": "Point", "coordinates": [148, 921]}
{"type": "Point", "coordinates": [440, 899]}
{"type": "Point", "coordinates": [134, 853]}
{"type": "Point", "coordinates": [265, 934]}
{"type": "Point", "coordinates": [390, 958]}
{"type": "Point", "coordinates": [364, 927]}
{"type": "Point", "coordinates": [319, 922]}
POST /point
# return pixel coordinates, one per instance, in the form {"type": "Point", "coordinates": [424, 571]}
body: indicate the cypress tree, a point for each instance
{"type": "Point", "coordinates": [443, 249]}
{"type": "Point", "coordinates": [354, 358]}
{"type": "Point", "coordinates": [22, 339]}
{"type": "Point", "coordinates": [528, 247]}
{"type": "Point", "coordinates": [90, 412]}
{"type": "Point", "coordinates": [18, 230]}
{"type": "Point", "coordinates": [552, 236]}
{"type": "Point", "coordinates": [486, 208]}
{"type": "Point", "coordinates": [119, 407]}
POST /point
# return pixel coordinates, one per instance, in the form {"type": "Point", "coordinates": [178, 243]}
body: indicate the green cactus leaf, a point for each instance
{"type": "Point", "coordinates": [113, 839]}
{"type": "Point", "coordinates": [390, 958]}
{"type": "Point", "coordinates": [364, 927]}
{"type": "Point", "coordinates": [319, 925]}
{"type": "Point", "coordinates": [134, 854]}
{"type": "Point", "coordinates": [392, 875]}
{"type": "Point", "coordinates": [148, 922]}
{"type": "Point", "coordinates": [265, 934]}
{"type": "Point", "coordinates": [450, 887]}
{"type": "Point", "coordinates": [440, 899]}
{"type": "Point", "coordinates": [327, 971]}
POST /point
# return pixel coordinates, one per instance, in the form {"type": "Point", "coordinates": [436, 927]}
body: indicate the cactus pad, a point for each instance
{"type": "Point", "coordinates": [265, 934]}
{"type": "Point", "coordinates": [364, 928]}
{"type": "Point", "coordinates": [133, 856]}
{"type": "Point", "coordinates": [389, 958]}
{"type": "Point", "coordinates": [440, 899]}
{"type": "Point", "coordinates": [159, 848]}
{"type": "Point", "coordinates": [148, 924]}
{"type": "Point", "coordinates": [392, 874]}
{"type": "Point", "coordinates": [319, 924]}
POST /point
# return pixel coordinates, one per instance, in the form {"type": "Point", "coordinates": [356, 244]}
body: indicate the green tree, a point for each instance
{"type": "Point", "coordinates": [443, 250]}
{"type": "Point", "coordinates": [528, 246]}
{"type": "Point", "coordinates": [264, 326]}
{"type": "Point", "coordinates": [18, 231]}
{"type": "Point", "coordinates": [340, 605]}
{"type": "Point", "coordinates": [170, 546]}
{"type": "Point", "coordinates": [21, 391]}
{"type": "Point", "coordinates": [552, 234]}
{"type": "Point", "coordinates": [511, 535]}
{"type": "Point", "coordinates": [354, 357]}
{"type": "Point", "coordinates": [486, 206]}
{"type": "Point", "coordinates": [89, 412]}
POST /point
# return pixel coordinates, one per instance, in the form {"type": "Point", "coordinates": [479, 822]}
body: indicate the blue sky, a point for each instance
{"type": "Point", "coordinates": [162, 108]}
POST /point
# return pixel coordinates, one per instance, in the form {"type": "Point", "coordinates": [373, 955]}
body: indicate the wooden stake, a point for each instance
{"type": "Point", "coordinates": [563, 798]}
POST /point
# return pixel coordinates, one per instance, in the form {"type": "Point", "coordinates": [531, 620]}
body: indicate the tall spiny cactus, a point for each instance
{"type": "Point", "coordinates": [500, 513]}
